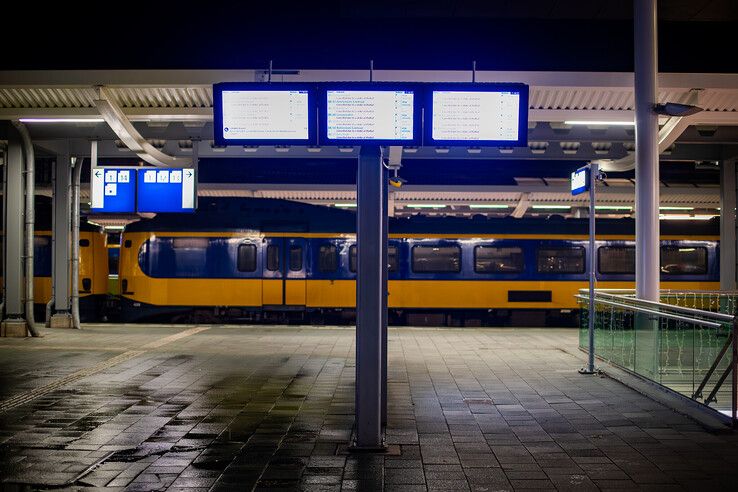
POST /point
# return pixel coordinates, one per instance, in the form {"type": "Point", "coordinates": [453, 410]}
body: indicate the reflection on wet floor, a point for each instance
{"type": "Point", "coordinates": [272, 407]}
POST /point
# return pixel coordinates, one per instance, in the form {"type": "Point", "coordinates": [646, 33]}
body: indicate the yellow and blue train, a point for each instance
{"type": "Point", "coordinates": [272, 260]}
{"type": "Point", "coordinates": [93, 265]}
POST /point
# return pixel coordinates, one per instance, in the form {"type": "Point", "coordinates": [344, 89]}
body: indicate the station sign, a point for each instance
{"type": "Point", "coordinates": [253, 113]}
{"type": "Point", "coordinates": [580, 181]}
{"type": "Point", "coordinates": [381, 114]}
{"type": "Point", "coordinates": [476, 114]}
{"type": "Point", "coordinates": [113, 190]}
{"type": "Point", "coordinates": [166, 190]}
{"type": "Point", "coordinates": [142, 189]}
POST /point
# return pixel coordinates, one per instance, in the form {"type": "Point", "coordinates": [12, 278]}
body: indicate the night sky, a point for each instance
{"type": "Point", "coordinates": [333, 34]}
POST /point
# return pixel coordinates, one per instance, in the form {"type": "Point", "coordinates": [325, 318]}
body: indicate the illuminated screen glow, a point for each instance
{"type": "Point", "coordinates": [370, 115]}
{"type": "Point", "coordinates": [476, 115]}
{"type": "Point", "coordinates": [265, 115]}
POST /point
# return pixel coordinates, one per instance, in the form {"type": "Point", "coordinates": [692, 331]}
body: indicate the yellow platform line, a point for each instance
{"type": "Point", "coordinates": [27, 396]}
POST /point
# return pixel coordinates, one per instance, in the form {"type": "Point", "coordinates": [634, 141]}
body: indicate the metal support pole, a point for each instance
{"type": "Point", "coordinates": [76, 175]}
{"type": "Point", "coordinates": [727, 225]}
{"type": "Point", "coordinates": [369, 293]}
{"type": "Point", "coordinates": [593, 173]}
{"type": "Point", "coordinates": [385, 292]}
{"type": "Point", "coordinates": [734, 378]}
{"type": "Point", "coordinates": [13, 323]}
{"type": "Point", "coordinates": [646, 152]}
{"type": "Point", "coordinates": [61, 316]}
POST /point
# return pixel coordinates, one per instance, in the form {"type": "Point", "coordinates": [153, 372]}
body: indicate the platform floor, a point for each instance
{"type": "Point", "coordinates": [236, 408]}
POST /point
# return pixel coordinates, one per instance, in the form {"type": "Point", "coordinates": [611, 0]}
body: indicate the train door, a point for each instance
{"type": "Point", "coordinates": [284, 286]}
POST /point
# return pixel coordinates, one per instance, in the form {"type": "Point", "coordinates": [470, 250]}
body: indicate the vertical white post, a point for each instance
{"type": "Point", "coordinates": [727, 225]}
{"type": "Point", "coordinates": [593, 171]}
{"type": "Point", "coordinates": [647, 155]}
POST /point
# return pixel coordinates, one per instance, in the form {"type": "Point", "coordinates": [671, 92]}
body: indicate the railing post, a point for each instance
{"type": "Point", "coordinates": [734, 378]}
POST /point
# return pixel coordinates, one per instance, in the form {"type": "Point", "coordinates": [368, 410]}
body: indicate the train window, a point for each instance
{"type": "Point", "coordinates": [295, 258]}
{"type": "Point", "coordinates": [327, 258]}
{"type": "Point", "coordinates": [391, 258]}
{"type": "Point", "coordinates": [683, 260]}
{"type": "Point", "coordinates": [272, 258]}
{"type": "Point", "coordinates": [436, 259]}
{"type": "Point", "coordinates": [41, 241]}
{"type": "Point", "coordinates": [83, 243]}
{"type": "Point", "coordinates": [352, 259]}
{"type": "Point", "coordinates": [492, 259]}
{"type": "Point", "coordinates": [617, 259]}
{"type": "Point", "coordinates": [561, 260]}
{"type": "Point", "coordinates": [189, 257]}
{"type": "Point", "coordinates": [246, 258]}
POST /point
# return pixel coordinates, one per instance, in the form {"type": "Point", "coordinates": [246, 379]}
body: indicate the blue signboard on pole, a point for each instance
{"type": "Point", "coordinates": [166, 190]}
{"type": "Point", "coordinates": [580, 181]}
{"type": "Point", "coordinates": [113, 190]}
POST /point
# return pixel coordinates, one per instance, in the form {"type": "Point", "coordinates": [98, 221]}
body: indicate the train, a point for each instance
{"type": "Point", "coordinates": [269, 260]}
{"type": "Point", "coordinates": [94, 299]}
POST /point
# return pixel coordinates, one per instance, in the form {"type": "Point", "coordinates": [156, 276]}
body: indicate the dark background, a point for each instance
{"type": "Point", "coordinates": [581, 35]}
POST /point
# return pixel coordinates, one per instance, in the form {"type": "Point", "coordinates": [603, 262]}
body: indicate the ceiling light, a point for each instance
{"type": "Point", "coordinates": [424, 205]}
{"type": "Point", "coordinates": [488, 205]}
{"type": "Point", "coordinates": [61, 120]}
{"type": "Point", "coordinates": [600, 123]}
{"type": "Point", "coordinates": [345, 205]}
{"type": "Point", "coordinates": [685, 217]}
{"type": "Point", "coordinates": [555, 207]}
{"type": "Point", "coordinates": [676, 208]}
{"type": "Point", "coordinates": [613, 207]}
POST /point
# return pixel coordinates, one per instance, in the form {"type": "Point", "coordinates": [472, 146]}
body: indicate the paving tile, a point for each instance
{"type": "Point", "coordinates": [267, 408]}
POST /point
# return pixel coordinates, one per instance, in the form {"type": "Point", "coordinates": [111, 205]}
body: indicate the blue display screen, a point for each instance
{"type": "Point", "coordinates": [167, 190]}
{"type": "Point", "coordinates": [113, 190]}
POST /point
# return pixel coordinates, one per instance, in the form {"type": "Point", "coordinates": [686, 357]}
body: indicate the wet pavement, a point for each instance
{"type": "Point", "coordinates": [238, 408]}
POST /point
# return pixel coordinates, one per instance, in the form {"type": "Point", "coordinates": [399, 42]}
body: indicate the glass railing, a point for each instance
{"type": "Point", "coordinates": [685, 342]}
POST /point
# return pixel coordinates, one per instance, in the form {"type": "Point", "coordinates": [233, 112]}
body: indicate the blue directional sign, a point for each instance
{"type": "Point", "coordinates": [113, 190]}
{"type": "Point", "coordinates": [580, 181]}
{"type": "Point", "coordinates": [167, 190]}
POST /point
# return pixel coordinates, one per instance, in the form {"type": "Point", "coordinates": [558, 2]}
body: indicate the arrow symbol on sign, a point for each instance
{"type": "Point", "coordinates": [189, 173]}
{"type": "Point", "coordinates": [97, 174]}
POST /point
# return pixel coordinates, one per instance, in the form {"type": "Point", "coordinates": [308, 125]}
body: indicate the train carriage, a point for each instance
{"type": "Point", "coordinates": [262, 260]}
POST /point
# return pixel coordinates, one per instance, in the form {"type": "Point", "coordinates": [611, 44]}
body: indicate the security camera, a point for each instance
{"type": "Point", "coordinates": [676, 109]}
{"type": "Point", "coordinates": [397, 181]}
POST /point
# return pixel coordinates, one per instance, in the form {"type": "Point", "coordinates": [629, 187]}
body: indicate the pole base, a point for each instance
{"type": "Point", "coordinates": [584, 370]}
{"type": "Point", "coordinates": [14, 328]}
{"type": "Point", "coordinates": [61, 320]}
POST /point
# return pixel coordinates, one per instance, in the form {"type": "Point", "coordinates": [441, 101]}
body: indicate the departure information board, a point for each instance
{"type": "Point", "coordinates": [477, 114]}
{"type": "Point", "coordinates": [113, 190]}
{"type": "Point", "coordinates": [371, 114]}
{"type": "Point", "coordinates": [166, 190]}
{"type": "Point", "coordinates": [253, 114]}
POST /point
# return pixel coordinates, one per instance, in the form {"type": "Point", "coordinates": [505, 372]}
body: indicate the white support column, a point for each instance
{"type": "Point", "coordinates": [14, 323]}
{"type": "Point", "coordinates": [61, 316]}
{"type": "Point", "coordinates": [727, 225]}
{"type": "Point", "coordinates": [647, 154]}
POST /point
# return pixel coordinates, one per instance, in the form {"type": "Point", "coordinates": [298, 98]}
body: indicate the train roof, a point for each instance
{"type": "Point", "coordinates": [273, 215]}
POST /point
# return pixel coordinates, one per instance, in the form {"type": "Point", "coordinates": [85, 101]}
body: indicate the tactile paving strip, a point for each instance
{"type": "Point", "coordinates": [27, 396]}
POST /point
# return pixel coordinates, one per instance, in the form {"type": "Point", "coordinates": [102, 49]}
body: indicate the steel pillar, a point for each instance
{"type": "Point", "coordinates": [646, 152]}
{"type": "Point", "coordinates": [369, 293]}
{"type": "Point", "coordinates": [727, 225]}
{"type": "Point", "coordinates": [61, 316]}
{"type": "Point", "coordinates": [385, 291]}
{"type": "Point", "coordinates": [13, 323]}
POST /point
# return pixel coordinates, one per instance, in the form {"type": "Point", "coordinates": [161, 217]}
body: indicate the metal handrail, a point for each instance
{"type": "Point", "coordinates": [676, 317]}
{"type": "Point", "coordinates": [725, 318]}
